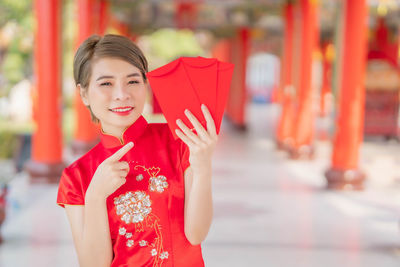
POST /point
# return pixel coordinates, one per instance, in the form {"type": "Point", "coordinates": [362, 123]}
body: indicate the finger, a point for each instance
{"type": "Point", "coordinates": [122, 174]}
{"type": "Point", "coordinates": [197, 125]}
{"type": "Point", "coordinates": [121, 152]}
{"type": "Point", "coordinates": [210, 121]}
{"type": "Point", "coordinates": [121, 165]}
{"type": "Point", "coordinates": [193, 137]}
{"type": "Point", "coordinates": [184, 138]}
{"type": "Point", "coordinates": [121, 181]}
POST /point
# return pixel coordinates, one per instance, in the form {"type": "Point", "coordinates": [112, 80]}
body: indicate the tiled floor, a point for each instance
{"type": "Point", "coordinates": [269, 211]}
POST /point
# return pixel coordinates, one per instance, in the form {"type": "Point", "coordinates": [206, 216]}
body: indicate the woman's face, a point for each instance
{"type": "Point", "coordinates": [116, 94]}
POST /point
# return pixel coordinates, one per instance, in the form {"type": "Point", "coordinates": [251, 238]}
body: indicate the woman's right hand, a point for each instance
{"type": "Point", "coordinates": [110, 175]}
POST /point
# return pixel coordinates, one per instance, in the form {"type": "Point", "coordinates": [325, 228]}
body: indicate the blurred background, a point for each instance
{"type": "Point", "coordinates": [307, 169]}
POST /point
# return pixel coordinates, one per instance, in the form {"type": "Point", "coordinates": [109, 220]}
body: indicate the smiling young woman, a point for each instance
{"type": "Point", "coordinates": [115, 95]}
{"type": "Point", "coordinates": [139, 197]}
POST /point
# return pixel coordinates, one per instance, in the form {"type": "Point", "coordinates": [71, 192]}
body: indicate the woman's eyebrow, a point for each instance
{"type": "Point", "coordinates": [133, 75]}
{"type": "Point", "coordinates": [110, 77]}
{"type": "Point", "coordinates": [104, 77]}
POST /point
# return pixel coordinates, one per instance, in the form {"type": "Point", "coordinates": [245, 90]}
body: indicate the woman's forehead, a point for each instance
{"type": "Point", "coordinates": [113, 66]}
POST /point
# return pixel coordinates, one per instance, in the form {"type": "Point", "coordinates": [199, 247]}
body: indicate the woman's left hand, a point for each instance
{"type": "Point", "coordinates": [202, 144]}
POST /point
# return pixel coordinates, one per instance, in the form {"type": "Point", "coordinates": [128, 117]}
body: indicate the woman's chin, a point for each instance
{"type": "Point", "coordinates": [125, 120]}
{"type": "Point", "coordinates": [114, 120]}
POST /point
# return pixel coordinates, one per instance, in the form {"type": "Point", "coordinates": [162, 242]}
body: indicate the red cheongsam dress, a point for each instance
{"type": "Point", "coordinates": [146, 213]}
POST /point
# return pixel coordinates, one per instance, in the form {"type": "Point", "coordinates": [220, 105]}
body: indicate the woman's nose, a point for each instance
{"type": "Point", "coordinates": [121, 92]}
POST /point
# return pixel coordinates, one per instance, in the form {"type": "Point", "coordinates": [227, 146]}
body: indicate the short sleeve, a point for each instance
{"type": "Point", "coordinates": [70, 188]}
{"type": "Point", "coordinates": [184, 154]}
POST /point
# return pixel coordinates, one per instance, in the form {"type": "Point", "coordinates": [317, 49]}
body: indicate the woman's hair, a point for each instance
{"type": "Point", "coordinates": [110, 45]}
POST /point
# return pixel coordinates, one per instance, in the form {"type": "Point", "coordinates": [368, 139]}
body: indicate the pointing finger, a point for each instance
{"type": "Point", "coordinates": [121, 152]}
{"type": "Point", "coordinates": [121, 165]}
{"type": "Point", "coordinates": [122, 174]}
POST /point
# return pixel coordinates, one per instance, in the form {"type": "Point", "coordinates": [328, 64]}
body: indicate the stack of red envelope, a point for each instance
{"type": "Point", "coordinates": [188, 82]}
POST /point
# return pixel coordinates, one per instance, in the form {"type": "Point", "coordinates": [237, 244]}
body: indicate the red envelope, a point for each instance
{"type": "Point", "coordinates": [186, 83]}
{"type": "Point", "coordinates": [203, 74]}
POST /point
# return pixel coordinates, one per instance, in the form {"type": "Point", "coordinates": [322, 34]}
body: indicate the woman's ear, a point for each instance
{"type": "Point", "coordinates": [83, 94]}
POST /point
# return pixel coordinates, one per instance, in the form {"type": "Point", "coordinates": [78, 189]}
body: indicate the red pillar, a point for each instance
{"type": "Point", "coordinates": [46, 162]}
{"type": "Point", "coordinates": [344, 172]}
{"type": "Point", "coordinates": [286, 91]}
{"type": "Point", "coordinates": [86, 132]}
{"type": "Point", "coordinates": [222, 50]}
{"type": "Point", "coordinates": [327, 57]}
{"type": "Point", "coordinates": [103, 18]}
{"type": "Point", "coordinates": [303, 123]}
{"type": "Point", "coordinates": [238, 96]}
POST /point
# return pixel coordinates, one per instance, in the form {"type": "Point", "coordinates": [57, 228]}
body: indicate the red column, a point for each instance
{"type": "Point", "coordinates": [237, 96]}
{"type": "Point", "coordinates": [303, 123]}
{"type": "Point", "coordinates": [86, 132]}
{"type": "Point", "coordinates": [46, 162]}
{"type": "Point", "coordinates": [327, 57]}
{"type": "Point", "coordinates": [222, 50]}
{"type": "Point", "coordinates": [286, 91]}
{"type": "Point", "coordinates": [344, 172]}
{"type": "Point", "coordinates": [102, 24]}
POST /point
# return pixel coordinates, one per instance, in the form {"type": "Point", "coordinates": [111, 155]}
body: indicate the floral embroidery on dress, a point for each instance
{"type": "Point", "coordinates": [143, 243]}
{"type": "Point", "coordinates": [130, 243]}
{"type": "Point", "coordinates": [122, 231]}
{"type": "Point", "coordinates": [153, 252]}
{"type": "Point", "coordinates": [164, 255]}
{"type": "Point", "coordinates": [128, 235]}
{"type": "Point", "coordinates": [139, 177]}
{"type": "Point", "coordinates": [156, 183]}
{"type": "Point", "coordinates": [135, 208]}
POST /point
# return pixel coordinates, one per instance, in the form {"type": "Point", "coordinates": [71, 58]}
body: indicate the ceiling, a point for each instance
{"type": "Point", "coordinates": [222, 16]}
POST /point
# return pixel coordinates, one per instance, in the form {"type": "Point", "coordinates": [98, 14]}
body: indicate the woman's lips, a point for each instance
{"type": "Point", "coordinates": [122, 111]}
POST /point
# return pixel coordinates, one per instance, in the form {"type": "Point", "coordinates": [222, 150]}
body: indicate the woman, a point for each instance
{"type": "Point", "coordinates": [139, 197]}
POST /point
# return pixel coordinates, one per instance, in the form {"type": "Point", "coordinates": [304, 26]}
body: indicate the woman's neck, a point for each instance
{"type": "Point", "coordinates": [117, 132]}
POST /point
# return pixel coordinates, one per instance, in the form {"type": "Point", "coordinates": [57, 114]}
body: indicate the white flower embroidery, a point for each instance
{"type": "Point", "coordinates": [153, 252]}
{"type": "Point", "coordinates": [122, 231]}
{"type": "Point", "coordinates": [139, 177]}
{"type": "Point", "coordinates": [143, 243]}
{"type": "Point", "coordinates": [128, 235]}
{"type": "Point", "coordinates": [130, 243]}
{"type": "Point", "coordinates": [158, 183]}
{"type": "Point", "coordinates": [164, 255]}
{"type": "Point", "coordinates": [133, 207]}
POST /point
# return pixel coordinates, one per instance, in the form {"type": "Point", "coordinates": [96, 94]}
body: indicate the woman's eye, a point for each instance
{"type": "Point", "coordinates": [105, 84]}
{"type": "Point", "coordinates": [133, 82]}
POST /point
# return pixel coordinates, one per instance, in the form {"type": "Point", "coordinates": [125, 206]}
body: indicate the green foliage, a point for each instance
{"type": "Point", "coordinates": [69, 34]}
{"type": "Point", "coordinates": [16, 31]}
{"type": "Point", "coordinates": [12, 67]}
{"type": "Point", "coordinates": [68, 124]}
{"type": "Point", "coordinates": [170, 44]}
{"type": "Point", "coordinates": [16, 10]}
{"type": "Point", "coordinates": [8, 144]}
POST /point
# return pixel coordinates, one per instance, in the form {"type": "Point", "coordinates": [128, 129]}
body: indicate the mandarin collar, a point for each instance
{"type": "Point", "coordinates": [132, 133]}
